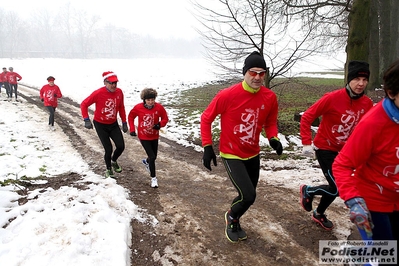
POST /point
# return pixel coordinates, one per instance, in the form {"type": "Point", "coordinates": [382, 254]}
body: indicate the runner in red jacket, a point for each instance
{"type": "Point", "coordinates": [367, 168]}
{"type": "Point", "coordinates": [245, 109]}
{"type": "Point", "coordinates": [4, 81]}
{"type": "Point", "coordinates": [109, 101]}
{"type": "Point", "coordinates": [13, 78]}
{"type": "Point", "coordinates": [152, 117]}
{"type": "Point", "coordinates": [49, 95]}
{"type": "Point", "coordinates": [341, 110]}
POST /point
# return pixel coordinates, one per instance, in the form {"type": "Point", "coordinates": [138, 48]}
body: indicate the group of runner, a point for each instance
{"type": "Point", "coordinates": [356, 143]}
{"type": "Point", "coordinates": [9, 80]}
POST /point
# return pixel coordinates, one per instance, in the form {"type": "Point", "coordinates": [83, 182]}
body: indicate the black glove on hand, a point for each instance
{"type": "Point", "coordinates": [42, 99]}
{"type": "Point", "coordinates": [88, 123]}
{"type": "Point", "coordinates": [276, 145]}
{"type": "Point", "coordinates": [133, 134]}
{"type": "Point", "coordinates": [124, 127]}
{"type": "Point", "coordinates": [156, 126]}
{"type": "Point", "coordinates": [55, 95]}
{"type": "Point", "coordinates": [209, 155]}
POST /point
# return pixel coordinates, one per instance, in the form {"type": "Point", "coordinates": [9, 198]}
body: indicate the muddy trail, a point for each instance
{"type": "Point", "coordinates": [185, 224]}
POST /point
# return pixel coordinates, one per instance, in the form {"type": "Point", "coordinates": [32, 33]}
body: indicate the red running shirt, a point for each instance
{"type": "Point", "coordinates": [108, 105]}
{"type": "Point", "coordinates": [243, 115]}
{"type": "Point", "coordinates": [147, 118]}
{"type": "Point", "coordinates": [340, 114]}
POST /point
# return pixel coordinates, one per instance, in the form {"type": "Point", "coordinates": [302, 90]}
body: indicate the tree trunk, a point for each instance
{"type": "Point", "coordinates": [394, 30]}
{"type": "Point", "coordinates": [374, 58]}
{"type": "Point", "coordinates": [385, 38]}
{"type": "Point", "coordinates": [358, 37]}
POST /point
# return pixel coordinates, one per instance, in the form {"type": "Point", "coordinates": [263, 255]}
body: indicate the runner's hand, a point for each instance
{"type": "Point", "coordinates": [209, 155]}
{"type": "Point", "coordinates": [124, 127]}
{"type": "Point", "coordinates": [88, 123]}
{"type": "Point", "coordinates": [276, 145]}
{"type": "Point", "coordinates": [360, 215]}
{"type": "Point", "coordinates": [157, 126]}
{"type": "Point", "coordinates": [308, 151]}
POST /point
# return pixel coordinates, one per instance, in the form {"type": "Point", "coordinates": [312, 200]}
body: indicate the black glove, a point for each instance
{"type": "Point", "coordinates": [55, 95]}
{"type": "Point", "coordinates": [156, 126]}
{"type": "Point", "coordinates": [124, 127]}
{"type": "Point", "coordinates": [42, 99]}
{"type": "Point", "coordinates": [133, 134]}
{"type": "Point", "coordinates": [209, 155]}
{"type": "Point", "coordinates": [88, 123]}
{"type": "Point", "coordinates": [276, 145]}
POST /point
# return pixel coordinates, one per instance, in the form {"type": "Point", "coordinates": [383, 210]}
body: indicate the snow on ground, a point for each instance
{"type": "Point", "coordinates": [91, 226]}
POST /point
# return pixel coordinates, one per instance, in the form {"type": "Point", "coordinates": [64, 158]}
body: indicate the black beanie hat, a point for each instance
{"type": "Point", "coordinates": [253, 60]}
{"type": "Point", "coordinates": [358, 69]}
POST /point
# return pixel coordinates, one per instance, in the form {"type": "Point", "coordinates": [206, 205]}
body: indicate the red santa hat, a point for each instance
{"type": "Point", "coordinates": [110, 76]}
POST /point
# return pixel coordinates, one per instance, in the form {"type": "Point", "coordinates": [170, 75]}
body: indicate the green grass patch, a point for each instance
{"type": "Point", "coordinates": [23, 181]}
{"type": "Point", "coordinates": [294, 96]}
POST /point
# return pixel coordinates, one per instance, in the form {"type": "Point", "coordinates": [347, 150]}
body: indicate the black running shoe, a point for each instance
{"type": "Point", "coordinates": [322, 220]}
{"type": "Point", "coordinates": [306, 199]}
{"type": "Point", "coordinates": [241, 233]}
{"type": "Point", "coordinates": [231, 228]}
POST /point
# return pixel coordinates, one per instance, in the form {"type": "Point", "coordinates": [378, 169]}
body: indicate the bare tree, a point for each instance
{"type": "Point", "coordinates": [14, 30]}
{"type": "Point", "coordinates": [2, 32]}
{"type": "Point", "coordinates": [86, 26]}
{"type": "Point", "coordinates": [65, 22]}
{"type": "Point", "coordinates": [43, 32]}
{"type": "Point", "coordinates": [233, 28]}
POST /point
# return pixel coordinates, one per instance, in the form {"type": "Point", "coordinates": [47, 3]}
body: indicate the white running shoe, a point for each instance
{"type": "Point", "coordinates": [154, 182]}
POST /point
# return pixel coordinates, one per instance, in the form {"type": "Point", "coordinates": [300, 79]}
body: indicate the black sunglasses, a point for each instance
{"type": "Point", "coordinates": [112, 83]}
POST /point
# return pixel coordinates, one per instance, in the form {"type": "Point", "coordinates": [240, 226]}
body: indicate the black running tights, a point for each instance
{"type": "Point", "coordinates": [328, 192]}
{"type": "Point", "coordinates": [151, 148]}
{"type": "Point", "coordinates": [244, 174]}
{"type": "Point", "coordinates": [106, 133]}
{"type": "Point", "coordinates": [51, 110]}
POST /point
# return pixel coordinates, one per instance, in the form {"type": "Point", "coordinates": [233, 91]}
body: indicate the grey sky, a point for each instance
{"type": "Point", "coordinates": [153, 17]}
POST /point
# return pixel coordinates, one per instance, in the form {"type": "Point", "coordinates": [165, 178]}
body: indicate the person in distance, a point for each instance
{"type": "Point", "coordinates": [49, 95]}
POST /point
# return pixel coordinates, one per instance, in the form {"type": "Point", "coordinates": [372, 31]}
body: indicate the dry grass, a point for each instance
{"type": "Point", "coordinates": [294, 96]}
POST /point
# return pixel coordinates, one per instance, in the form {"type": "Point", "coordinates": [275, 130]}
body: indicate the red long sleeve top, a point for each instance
{"type": "Point", "coordinates": [13, 77]}
{"type": "Point", "coordinates": [147, 118]}
{"type": "Point", "coordinates": [368, 164]}
{"type": "Point", "coordinates": [108, 105]}
{"type": "Point", "coordinates": [244, 112]}
{"type": "Point", "coordinates": [3, 77]}
{"type": "Point", "coordinates": [340, 114]}
{"type": "Point", "coordinates": [50, 95]}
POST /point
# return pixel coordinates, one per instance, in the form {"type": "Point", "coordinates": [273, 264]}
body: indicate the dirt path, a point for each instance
{"type": "Point", "coordinates": [185, 224]}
